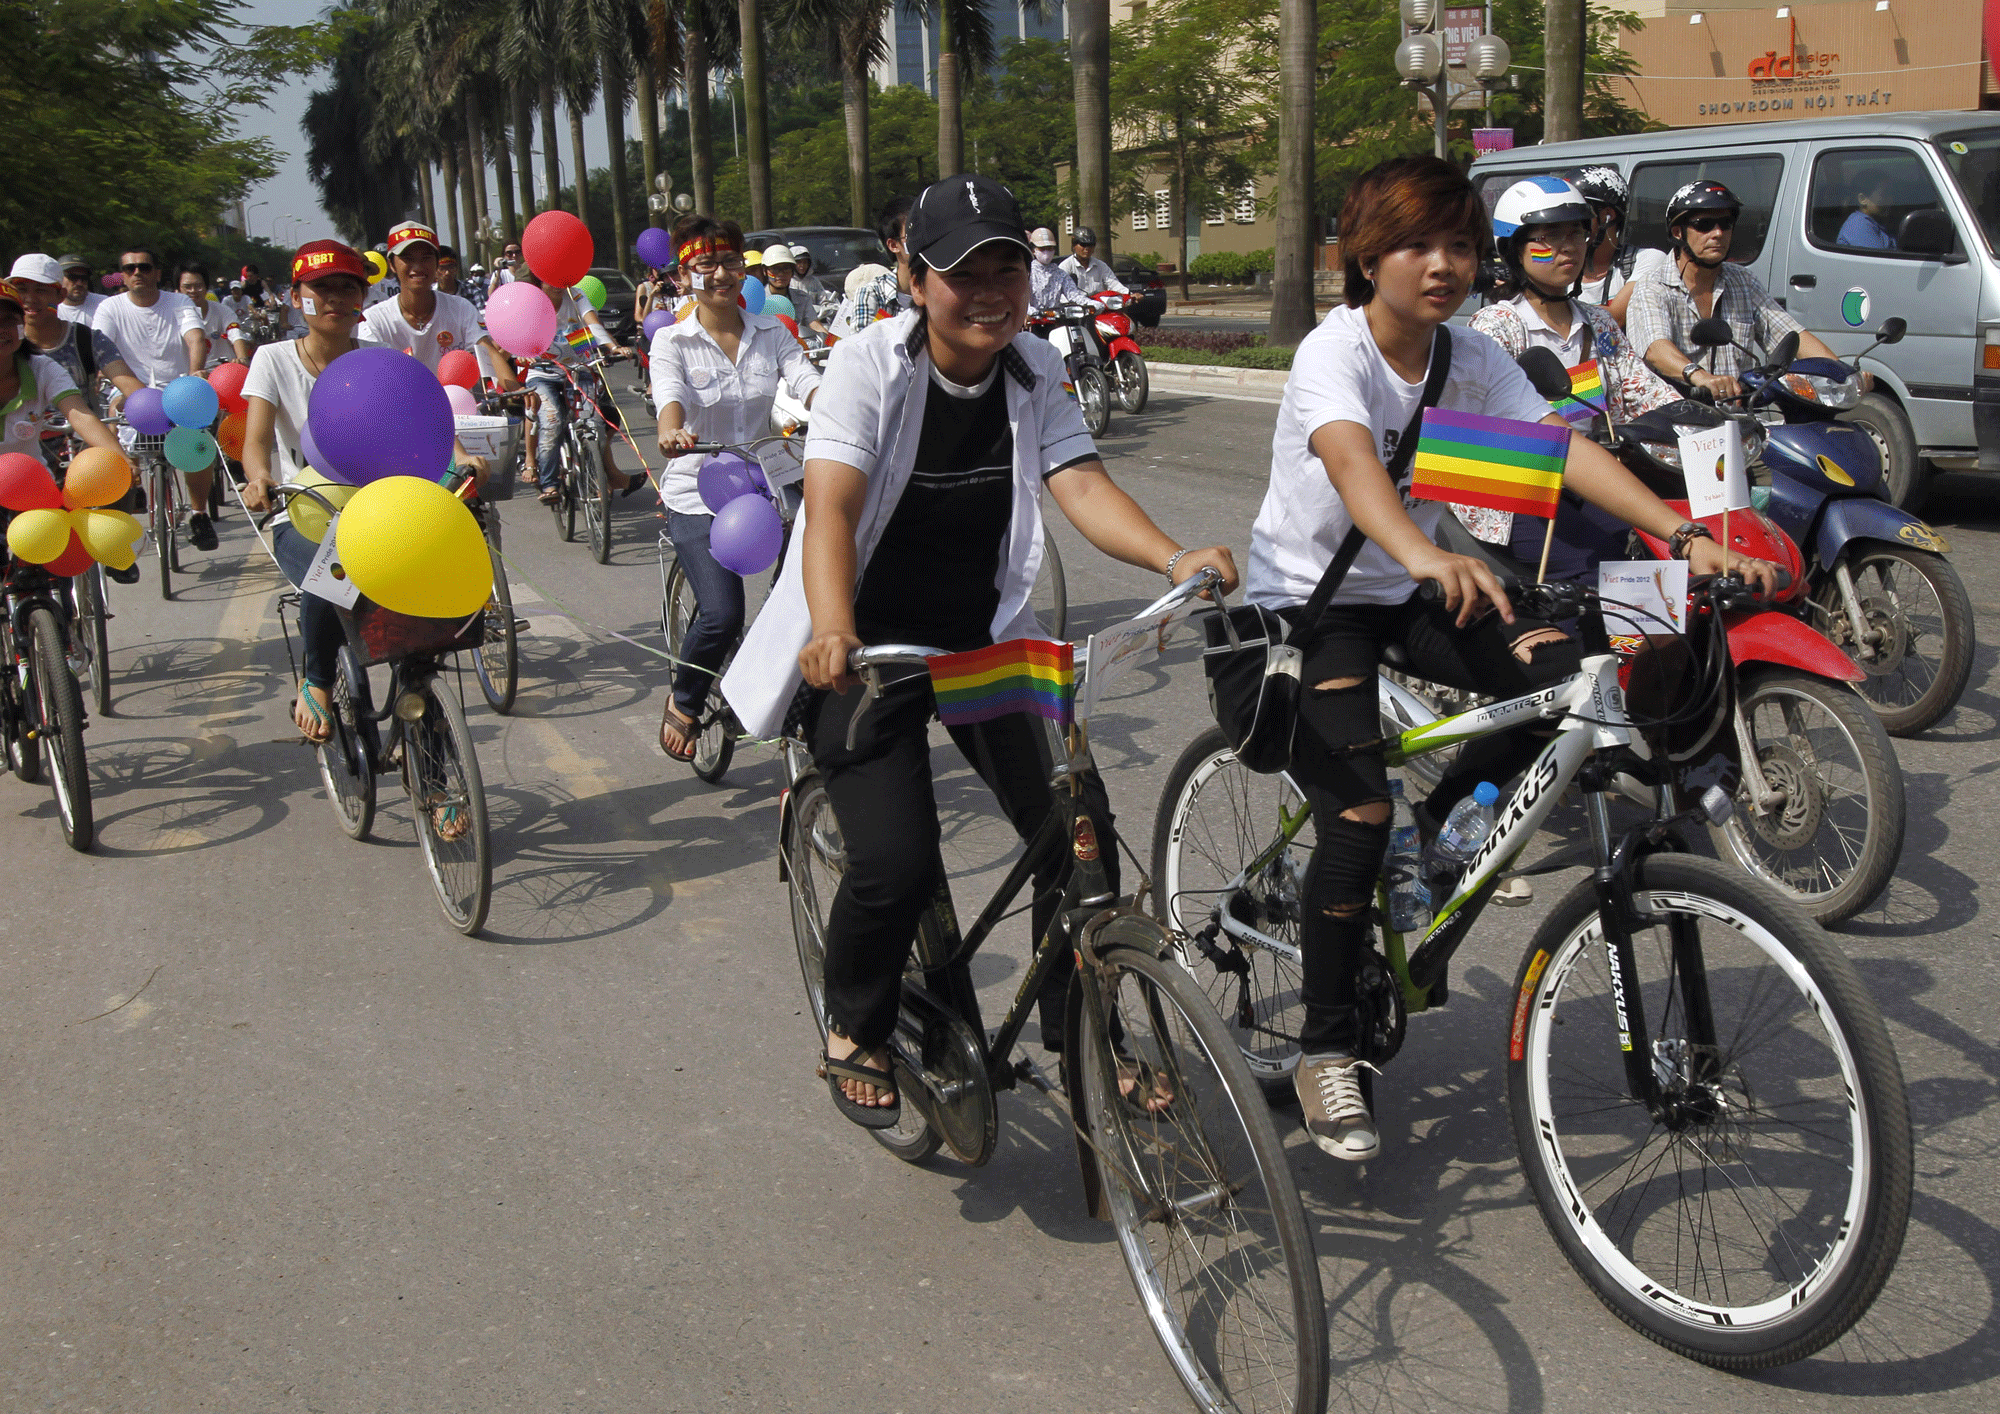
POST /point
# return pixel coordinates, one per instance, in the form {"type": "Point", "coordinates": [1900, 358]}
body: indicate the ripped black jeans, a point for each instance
{"type": "Point", "coordinates": [1340, 880]}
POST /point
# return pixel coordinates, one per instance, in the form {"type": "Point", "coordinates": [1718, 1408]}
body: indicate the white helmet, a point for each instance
{"type": "Point", "coordinates": [1041, 236]}
{"type": "Point", "coordinates": [1537, 201]}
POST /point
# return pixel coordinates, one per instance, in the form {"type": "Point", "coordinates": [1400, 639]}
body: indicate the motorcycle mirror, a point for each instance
{"type": "Point", "coordinates": [1546, 372]}
{"type": "Point", "coordinates": [1787, 350]}
{"type": "Point", "coordinates": [1711, 333]}
{"type": "Point", "coordinates": [1892, 330]}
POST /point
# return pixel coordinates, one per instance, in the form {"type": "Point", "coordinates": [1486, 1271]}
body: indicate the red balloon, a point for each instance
{"type": "Point", "coordinates": [558, 248]}
{"type": "Point", "coordinates": [789, 322]}
{"type": "Point", "coordinates": [25, 484]}
{"type": "Point", "coordinates": [73, 560]}
{"type": "Point", "coordinates": [459, 369]}
{"type": "Point", "coordinates": [227, 379]}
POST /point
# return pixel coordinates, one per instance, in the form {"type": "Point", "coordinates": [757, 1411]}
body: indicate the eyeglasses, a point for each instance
{"type": "Point", "coordinates": [142, 267]}
{"type": "Point", "coordinates": [1705, 224]}
{"type": "Point", "coordinates": [511, 254]}
{"type": "Point", "coordinates": [708, 265]}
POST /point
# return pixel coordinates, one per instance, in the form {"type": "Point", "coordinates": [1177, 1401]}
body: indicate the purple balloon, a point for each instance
{"type": "Point", "coordinates": [722, 478]}
{"type": "Point", "coordinates": [655, 247]}
{"type": "Point", "coordinates": [378, 412]}
{"type": "Point", "coordinates": [147, 413]}
{"type": "Point", "coordinates": [309, 449]}
{"type": "Point", "coordinates": [746, 535]}
{"type": "Point", "coordinates": [657, 320]}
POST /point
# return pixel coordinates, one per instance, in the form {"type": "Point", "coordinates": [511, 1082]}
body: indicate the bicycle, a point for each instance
{"type": "Point", "coordinates": [1176, 1146]}
{"type": "Point", "coordinates": [580, 481]}
{"type": "Point", "coordinates": [497, 663]}
{"type": "Point", "coordinates": [167, 507]}
{"type": "Point", "coordinates": [41, 706]}
{"type": "Point", "coordinates": [426, 741]}
{"type": "Point", "coordinates": [1654, 1154]}
{"type": "Point", "coordinates": [91, 640]}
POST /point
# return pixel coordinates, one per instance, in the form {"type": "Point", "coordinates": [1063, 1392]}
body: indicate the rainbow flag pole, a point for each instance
{"type": "Point", "coordinates": [1475, 460]}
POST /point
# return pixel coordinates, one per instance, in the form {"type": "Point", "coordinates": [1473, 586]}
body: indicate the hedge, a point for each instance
{"type": "Point", "coordinates": [1258, 357]}
{"type": "Point", "coordinates": [1231, 267]}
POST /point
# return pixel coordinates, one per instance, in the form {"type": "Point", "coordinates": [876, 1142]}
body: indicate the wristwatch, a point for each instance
{"type": "Point", "coordinates": [1690, 531]}
{"type": "Point", "coordinates": [1688, 371]}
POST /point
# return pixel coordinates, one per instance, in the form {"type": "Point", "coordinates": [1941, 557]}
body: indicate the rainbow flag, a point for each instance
{"type": "Point", "coordinates": [1020, 675]}
{"type": "Point", "coordinates": [1584, 382]}
{"type": "Point", "coordinates": [1495, 462]}
{"type": "Point", "coordinates": [577, 337]}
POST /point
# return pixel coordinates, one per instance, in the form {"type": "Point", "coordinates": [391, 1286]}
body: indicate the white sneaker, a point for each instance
{"type": "Point", "coordinates": [1336, 1112]}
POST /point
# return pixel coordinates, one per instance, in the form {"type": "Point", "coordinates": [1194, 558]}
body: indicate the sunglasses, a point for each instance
{"type": "Point", "coordinates": [142, 267]}
{"type": "Point", "coordinates": [1705, 224]}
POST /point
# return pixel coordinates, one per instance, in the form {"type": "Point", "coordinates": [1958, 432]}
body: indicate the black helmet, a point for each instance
{"type": "Point", "coordinates": [1602, 186]}
{"type": "Point", "coordinates": [1085, 236]}
{"type": "Point", "coordinates": [1701, 196]}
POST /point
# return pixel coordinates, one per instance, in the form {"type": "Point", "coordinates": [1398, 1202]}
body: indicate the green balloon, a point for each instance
{"type": "Point", "coordinates": [593, 290]}
{"type": "Point", "coordinates": [190, 449]}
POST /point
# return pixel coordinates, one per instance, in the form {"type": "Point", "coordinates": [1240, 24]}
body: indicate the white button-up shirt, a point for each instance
{"type": "Point", "coordinates": [728, 402]}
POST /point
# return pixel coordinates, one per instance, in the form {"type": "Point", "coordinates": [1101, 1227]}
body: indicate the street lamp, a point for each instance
{"type": "Point", "coordinates": [1423, 63]}
{"type": "Point", "coordinates": [683, 202]}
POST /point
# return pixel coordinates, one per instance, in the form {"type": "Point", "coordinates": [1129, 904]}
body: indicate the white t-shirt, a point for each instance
{"type": "Point", "coordinates": [279, 376]}
{"type": "Point", "coordinates": [454, 324]}
{"type": "Point", "coordinates": [149, 339]}
{"type": "Point", "coordinates": [70, 313]}
{"type": "Point", "coordinates": [1338, 375]}
{"type": "Point", "coordinates": [45, 384]}
{"type": "Point", "coordinates": [219, 324]}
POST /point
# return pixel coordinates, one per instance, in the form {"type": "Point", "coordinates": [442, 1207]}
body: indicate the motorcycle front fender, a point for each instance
{"type": "Point", "coordinates": [1865, 518]}
{"type": "Point", "coordinates": [1765, 636]}
{"type": "Point", "coordinates": [1123, 344]}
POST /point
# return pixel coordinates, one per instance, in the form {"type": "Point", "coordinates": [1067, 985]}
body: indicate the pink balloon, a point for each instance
{"type": "Point", "coordinates": [520, 319]}
{"type": "Point", "coordinates": [463, 404]}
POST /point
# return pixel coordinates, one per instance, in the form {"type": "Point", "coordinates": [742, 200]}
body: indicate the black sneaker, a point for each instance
{"type": "Point", "coordinates": [128, 575]}
{"type": "Point", "coordinates": [201, 531]}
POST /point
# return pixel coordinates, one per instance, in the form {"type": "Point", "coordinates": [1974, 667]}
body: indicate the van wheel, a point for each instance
{"type": "Point", "coordinates": [1905, 476]}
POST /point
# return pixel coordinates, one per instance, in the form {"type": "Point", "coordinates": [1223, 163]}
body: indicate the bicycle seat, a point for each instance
{"type": "Point", "coordinates": [1393, 656]}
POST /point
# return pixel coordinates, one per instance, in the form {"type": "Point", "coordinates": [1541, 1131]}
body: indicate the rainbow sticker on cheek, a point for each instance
{"type": "Point", "coordinates": [1539, 254]}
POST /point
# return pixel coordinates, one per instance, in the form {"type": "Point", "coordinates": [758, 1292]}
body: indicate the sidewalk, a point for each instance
{"type": "Point", "coordinates": [1256, 385]}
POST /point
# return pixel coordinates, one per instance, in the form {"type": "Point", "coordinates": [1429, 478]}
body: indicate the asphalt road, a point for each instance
{"type": "Point", "coordinates": [278, 1139]}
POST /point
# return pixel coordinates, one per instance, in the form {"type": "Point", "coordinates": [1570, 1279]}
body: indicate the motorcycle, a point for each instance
{"type": "Point", "coordinates": [1878, 582]}
{"type": "Point", "coordinates": [1068, 329]}
{"type": "Point", "coordinates": [1130, 383]}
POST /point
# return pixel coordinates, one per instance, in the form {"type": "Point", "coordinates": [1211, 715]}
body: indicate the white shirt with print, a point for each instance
{"type": "Point", "coordinates": [454, 324]}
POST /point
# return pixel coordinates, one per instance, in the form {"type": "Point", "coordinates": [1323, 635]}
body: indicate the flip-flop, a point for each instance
{"type": "Point", "coordinates": [320, 719]}
{"type": "Point", "coordinates": [688, 727]}
{"type": "Point", "coordinates": [867, 1116]}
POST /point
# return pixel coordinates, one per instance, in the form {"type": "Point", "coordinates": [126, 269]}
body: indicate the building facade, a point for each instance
{"type": "Point", "coordinates": [912, 44]}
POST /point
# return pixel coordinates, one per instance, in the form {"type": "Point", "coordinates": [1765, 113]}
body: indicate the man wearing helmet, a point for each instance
{"type": "Point", "coordinates": [1083, 266]}
{"type": "Point", "coordinates": [1614, 262]}
{"type": "Point", "coordinates": [1543, 228]}
{"type": "Point", "coordinates": [1699, 282]}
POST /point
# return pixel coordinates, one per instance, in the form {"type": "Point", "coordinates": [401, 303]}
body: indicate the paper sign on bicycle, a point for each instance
{"type": "Point", "coordinates": [1115, 651]}
{"type": "Point", "coordinates": [325, 577]}
{"type": "Point", "coordinates": [1642, 597]}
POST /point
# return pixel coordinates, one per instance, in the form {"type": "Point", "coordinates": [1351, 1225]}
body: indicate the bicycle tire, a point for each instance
{"type": "Point", "coordinates": [441, 772]}
{"type": "Point", "coordinates": [596, 504]}
{"type": "Point", "coordinates": [1841, 782]}
{"type": "Point", "coordinates": [1797, 1266]}
{"type": "Point", "coordinates": [715, 745]}
{"type": "Point", "coordinates": [1052, 590]}
{"type": "Point", "coordinates": [814, 859]}
{"type": "Point", "coordinates": [1200, 1196]}
{"type": "Point", "coordinates": [59, 710]}
{"type": "Point", "coordinates": [1214, 817]}
{"type": "Point", "coordinates": [24, 755]}
{"type": "Point", "coordinates": [163, 528]}
{"type": "Point", "coordinates": [91, 630]}
{"type": "Point", "coordinates": [1909, 699]}
{"type": "Point", "coordinates": [1093, 398]}
{"type": "Point", "coordinates": [497, 661]}
{"type": "Point", "coordinates": [571, 488]}
{"type": "Point", "coordinates": [346, 764]}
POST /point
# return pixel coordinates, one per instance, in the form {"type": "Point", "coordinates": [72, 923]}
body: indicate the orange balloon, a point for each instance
{"type": "Point", "coordinates": [229, 435]}
{"type": "Point", "coordinates": [97, 476]}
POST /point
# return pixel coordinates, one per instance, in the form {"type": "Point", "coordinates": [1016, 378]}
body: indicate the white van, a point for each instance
{"type": "Point", "coordinates": [1937, 404]}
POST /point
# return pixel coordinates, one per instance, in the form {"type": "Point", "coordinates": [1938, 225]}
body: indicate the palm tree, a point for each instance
{"type": "Point", "coordinates": [851, 31]}
{"type": "Point", "coordinates": [1293, 311]}
{"type": "Point", "coordinates": [756, 116]}
{"type": "Point", "coordinates": [364, 181]}
{"type": "Point", "coordinates": [966, 48]}
{"type": "Point", "coordinates": [1090, 61]}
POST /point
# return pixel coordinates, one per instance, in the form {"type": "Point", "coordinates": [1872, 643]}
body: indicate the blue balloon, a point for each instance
{"type": "Point", "coordinates": [655, 247]}
{"type": "Point", "coordinates": [658, 320]}
{"type": "Point", "coordinates": [780, 304]}
{"type": "Point", "coordinates": [190, 402]}
{"type": "Point", "coordinates": [753, 294]}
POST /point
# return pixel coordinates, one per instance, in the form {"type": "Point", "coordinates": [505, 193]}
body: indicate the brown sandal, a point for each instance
{"type": "Point", "coordinates": [685, 727]}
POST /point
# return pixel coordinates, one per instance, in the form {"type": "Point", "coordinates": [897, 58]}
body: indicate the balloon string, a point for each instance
{"type": "Point", "coordinates": [557, 606]}
{"type": "Point", "coordinates": [644, 465]}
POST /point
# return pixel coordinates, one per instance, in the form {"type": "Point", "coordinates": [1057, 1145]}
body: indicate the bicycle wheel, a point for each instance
{"type": "Point", "coordinates": [59, 713]}
{"type": "Point", "coordinates": [1915, 611]}
{"type": "Point", "coordinates": [1754, 1219]}
{"type": "Point", "coordinates": [163, 527]}
{"type": "Point", "coordinates": [814, 858]}
{"type": "Point", "coordinates": [1832, 838]}
{"type": "Point", "coordinates": [715, 745]}
{"type": "Point", "coordinates": [1230, 889]}
{"type": "Point", "coordinates": [346, 762]}
{"type": "Point", "coordinates": [498, 661]}
{"type": "Point", "coordinates": [595, 492]}
{"type": "Point", "coordinates": [1093, 396]}
{"type": "Point", "coordinates": [1052, 590]}
{"type": "Point", "coordinates": [92, 637]}
{"type": "Point", "coordinates": [17, 721]}
{"type": "Point", "coordinates": [448, 799]}
{"type": "Point", "coordinates": [1200, 1196]}
{"type": "Point", "coordinates": [1134, 383]}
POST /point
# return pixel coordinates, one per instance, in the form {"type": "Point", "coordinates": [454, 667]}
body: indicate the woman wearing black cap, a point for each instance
{"type": "Point", "coordinates": [931, 441]}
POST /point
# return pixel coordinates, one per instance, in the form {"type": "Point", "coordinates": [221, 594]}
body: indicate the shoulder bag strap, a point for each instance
{"type": "Point", "coordinates": [1406, 450]}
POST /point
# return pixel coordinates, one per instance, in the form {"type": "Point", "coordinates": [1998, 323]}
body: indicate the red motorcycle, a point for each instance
{"type": "Point", "coordinates": [1125, 365]}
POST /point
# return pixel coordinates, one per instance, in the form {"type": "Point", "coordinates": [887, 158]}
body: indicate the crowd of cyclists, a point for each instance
{"type": "Point", "coordinates": [938, 427]}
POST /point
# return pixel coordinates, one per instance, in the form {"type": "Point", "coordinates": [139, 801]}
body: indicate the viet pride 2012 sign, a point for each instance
{"type": "Point", "coordinates": [1744, 66]}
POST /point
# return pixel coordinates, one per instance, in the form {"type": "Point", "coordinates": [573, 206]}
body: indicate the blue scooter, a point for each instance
{"type": "Point", "coordinates": [1879, 584]}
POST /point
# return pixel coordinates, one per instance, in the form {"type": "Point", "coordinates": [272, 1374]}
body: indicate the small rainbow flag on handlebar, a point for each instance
{"type": "Point", "coordinates": [1584, 382]}
{"type": "Point", "coordinates": [1475, 460]}
{"type": "Point", "coordinates": [1020, 675]}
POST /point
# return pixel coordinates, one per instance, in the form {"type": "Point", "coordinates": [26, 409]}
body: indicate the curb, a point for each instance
{"type": "Point", "coordinates": [1262, 384]}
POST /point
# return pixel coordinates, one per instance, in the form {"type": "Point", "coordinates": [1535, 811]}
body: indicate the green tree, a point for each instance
{"type": "Point", "coordinates": [1022, 124]}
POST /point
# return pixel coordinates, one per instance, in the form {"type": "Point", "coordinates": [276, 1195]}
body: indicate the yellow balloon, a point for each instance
{"type": "Point", "coordinates": [309, 518]}
{"type": "Point", "coordinates": [110, 536]}
{"type": "Point", "coordinates": [412, 546]}
{"type": "Point", "coordinates": [39, 536]}
{"type": "Point", "coordinates": [377, 267]}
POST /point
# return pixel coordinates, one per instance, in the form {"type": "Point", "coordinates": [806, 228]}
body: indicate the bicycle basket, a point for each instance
{"type": "Point", "coordinates": [498, 439]}
{"type": "Point", "coordinates": [380, 634]}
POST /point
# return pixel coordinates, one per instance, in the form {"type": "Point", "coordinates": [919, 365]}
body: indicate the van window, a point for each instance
{"type": "Point", "coordinates": [1754, 180]}
{"type": "Point", "coordinates": [1494, 183]}
{"type": "Point", "coordinates": [1973, 159]}
{"type": "Point", "coordinates": [1861, 196]}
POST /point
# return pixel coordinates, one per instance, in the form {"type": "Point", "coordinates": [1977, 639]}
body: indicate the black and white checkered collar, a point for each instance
{"type": "Point", "coordinates": [1010, 357]}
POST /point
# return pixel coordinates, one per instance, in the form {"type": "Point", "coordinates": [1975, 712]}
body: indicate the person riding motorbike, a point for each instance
{"type": "Point", "coordinates": [1083, 266]}
{"type": "Point", "coordinates": [1048, 283]}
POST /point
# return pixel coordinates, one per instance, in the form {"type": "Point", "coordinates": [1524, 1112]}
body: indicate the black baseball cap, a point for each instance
{"type": "Point", "coordinates": [956, 216]}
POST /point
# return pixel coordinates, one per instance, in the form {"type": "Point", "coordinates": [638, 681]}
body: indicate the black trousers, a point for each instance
{"type": "Point", "coordinates": [1348, 643]}
{"type": "Point", "coordinates": [882, 797]}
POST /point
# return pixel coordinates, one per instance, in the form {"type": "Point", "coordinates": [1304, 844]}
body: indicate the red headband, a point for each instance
{"type": "Point", "coordinates": [701, 245]}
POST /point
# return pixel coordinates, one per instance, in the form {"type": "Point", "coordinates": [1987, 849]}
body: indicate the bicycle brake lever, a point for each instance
{"type": "Point", "coordinates": [871, 688]}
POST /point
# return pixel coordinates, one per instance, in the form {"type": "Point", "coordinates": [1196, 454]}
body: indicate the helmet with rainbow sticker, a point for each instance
{"type": "Point", "coordinates": [1535, 202]}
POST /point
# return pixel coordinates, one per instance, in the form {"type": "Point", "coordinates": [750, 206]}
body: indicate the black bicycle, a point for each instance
{"type": "Point", "coordinates": [41, 705]}
{"type": "Point", "coordinates": [1175, 1142]}
{"type": "Point", "coordinates": [581, 486]}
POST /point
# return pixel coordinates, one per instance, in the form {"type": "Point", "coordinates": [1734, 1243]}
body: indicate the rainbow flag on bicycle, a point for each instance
{"type": "Point", "coordinates": [1020, 675]}
{"type": "Point", "coordinates": [1495, 462]}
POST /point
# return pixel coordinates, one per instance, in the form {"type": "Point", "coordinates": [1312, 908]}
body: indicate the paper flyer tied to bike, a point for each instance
{"type": "Point", "coordinates": [1113, 652]}
{"type": "Point", "coordinates": [1642, 598]}
{"type": "Point", "coordinates": [1712, 462]}
{"type": "Point", "coordinates": [325, 577]}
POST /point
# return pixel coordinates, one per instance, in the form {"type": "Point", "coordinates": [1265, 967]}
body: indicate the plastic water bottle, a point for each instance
{"type": "Point", "coordinates": [1465, 830]}
{"type": "Point", "coordinates": [1409, 896]}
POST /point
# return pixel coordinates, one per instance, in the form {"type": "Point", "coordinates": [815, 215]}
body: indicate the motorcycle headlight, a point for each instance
{"type": "Point", "coordinates": [1754, 440]}
{"type": "Point", "coordinates": [1836, 393]}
